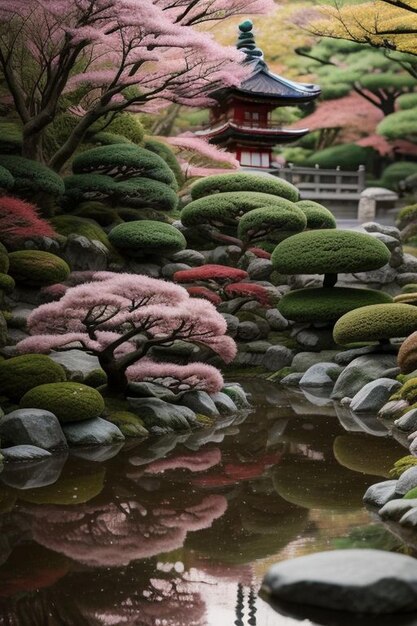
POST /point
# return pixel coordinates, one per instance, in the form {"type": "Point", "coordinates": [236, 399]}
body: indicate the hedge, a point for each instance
{"type": "Point", "coordinates": [130, 214]}
{"type": "Point", "coordinates": [225, 208]}
{"type": "Point", "coordinates": [169, 157]}
{"type": "Point", "coordinates": [7, 284]}
{"type": "Point", "coordinates": [395, 173]}
{"type": "Point", "coordinates": [99, 212]}
{"type": "Point", "coordinates": [137, 239]}
{"type": "Point", "coordinates": [327, 304]}
{"type": "Point", "coordinates": [346, 156]}
{"type": "Point", "coordinates": [145, 192]}
{"type": "Point", "coordinates": [72, 224]}
{"type": "Point", "coordinates": [407, 355]}
{"type": "Point", "coordinates": [21, 373]}
{"type": "Point", "coordinates": [329, 251]}
{"type": "Point", "coordinates": [375, 323]}
{"type": "Point", "coordinates": [244, 182]}
{"type": "Point", "coordinates": [272, 223]}
{"type": "Point", "coordinates": [88, 187]}
{"type": "Point", "coordinates": [36, 268]}
{"type": "Point", "coordinates": [70, 402]}
{"type": "Point", "coordinates": [317, 215]}
{"type": "Point", "coordinates": [6, 179]}
{"type": "Point", "coordinates": [406, 216]}
{"type": "Point", "coordinates": [123, 161]}
{"type": "Point", "coordinates": [32, 177]}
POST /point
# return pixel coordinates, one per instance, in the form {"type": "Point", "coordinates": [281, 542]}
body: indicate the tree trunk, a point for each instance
{"type": "Point", "coordinates": [329, 280]}
{"type": "Point", "coordinates": [32, 146]}
{"type": "Point", "coordinates": [116, 376]}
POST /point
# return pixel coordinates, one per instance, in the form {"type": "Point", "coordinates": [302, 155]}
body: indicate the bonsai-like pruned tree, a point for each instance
{"type": "Point", "coordinates": [317, 215]}
{"type": "Point", "coordinates": [120, 317]}
{"type": "Point", "coordinates": [244, 182]}
{"type": "Point", "coordinates": [271, 224]}
{"type": "Point", "coordinates": [378, 322]}
{"type": "Point", "coordinates": [145, 237]}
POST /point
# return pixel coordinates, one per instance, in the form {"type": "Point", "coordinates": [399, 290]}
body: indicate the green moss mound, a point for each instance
{"type": "Point", "coordinates": [21, 373]}
{"type": "Point", "coordinates": [4, 259]}
{"type": "Point", "coordinates": [402, 465]}
{"type": "Point", "coordinates": [129, 423]}
{"type": "Point", "coordinates": [70, 402]}
{"type": "Point", "coordinates": [169, 157]}
{"type": "Point", "coordinates": [32, 177]}
{"type": "Point", "coordinates": [410, 288]}
{"type": "Point", "coordinates": [329, 251]}
{"type": "Point", "coordinates": [6, 179]}
{"type": "Point", "coordinates": [327, 304]}
{"type": "Point", "coordinates": [7, 283]}
{"type": "Point", "coordinates": [272, 224]}
{"type": "Point", "coordinates": [95, 378]}
{"type": "Point", "coordinates": [244, 182]}
{"type": "Point", "coordinates": [225, 208]}
{"type": "Point", "coordinates": [126, 125]}
{"type": "Point", "coordinates": [409, 390]}
{"type": "Point", "coordinates": [99, 212]}
{"type": "Point", "coordinates": [407, 215]}
{"type": "Point", "coordinates": [36, 268]}
{"type": "Point", "coordinates": [137, 239]}
{"type": "Point", "coordinates": [104, 138]}
{"type": "Point", "coordinates": [376, 322]}
{"type": "Point", "coordinates": [366, 454]}
{"type": "Point", "coordinates": [317, 215]}
{"type": "Point", "coordinates": [122, 162]}
{"type": "Point", "coordinates": [395, 173]}
{"type": "Point", "coordinates": [145, 192]}
{"type": "Point", "coordinates": [130, 214]}
{"type": "Point", "coordinates": [72, 224]}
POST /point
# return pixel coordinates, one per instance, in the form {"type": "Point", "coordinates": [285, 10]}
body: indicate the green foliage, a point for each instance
{"type": "Point", "coordinates": [225, 208]}
{"type": "Point", "coordinates": [7, 283]}
{"type": "Point", "coordinates": [126, 125]}
{"type": "Point", "coordinates": [129, 214]}
{"type": "Point", "coordinates": [348, 157]}
{"type": "Point", "coordinates": [317, 215]}
{"type": "Point", "coordinates": [409, 390]}
{"type": "Point", "coordinates": [36, 268]}
{"type": "Point", "coordinates": [169, 157]}
{"type": "Point", "coordinates": [123, 162]}
{"type": "Point", "coordinates": [21, 373]}
{"type": "Point", "coordinates": [10, 138]}
{"type": "Point", "coordinates": [407, 215]}
{"type": "Point", "coordinates": [399, 125]}
{"type": "Point", "coordinates": [272, 224]}
{"type": "Point", "coordinates": [402, 465]}
{"type": "Point", "coordinates": [145, 192]}
{"type": "Point", "coordinates": [95, 378]}
{"type": "Point", "coordinates": [108, 139]}
{"type": "Point", "coordinates": [88, 187]}
{"type": "Point", "coordinates": [137, 239]}
{"type": "Point", "coordinates": [409, 288]}
{"type": "Point", "coordinates": [71, 224]}
{"type": "Point", "coordinates": [376, 322]}
{"type": "Point", "coordinates": [296, 154]}
{"type": "Point", "coordinates": [394, 174]}
{"type": "Point", "coordinates": [99, 212]}
{"type": "Point", "coordinates": [32, 177]}
{"type": "Point", "coordinates": [129, 423]}
{"type": "Point", "coordinates": [70, 402]}
{"type": "Point", "coordinates": [4, 259]}
{"type": "Point", "coordinates": [410, 495]}
{"type": "Point", "coordinates": [329, 251]}
{"type": "Point", "coordinates": [6, 179]}
{"type": "Point", "coordinates": [407, 101]}
{"type": "Point", "coordinates": [244, 182]}
{"type": "Point", "coordinates": [387, 80]}
{"type": "Point", "coordinates": [327, 304]}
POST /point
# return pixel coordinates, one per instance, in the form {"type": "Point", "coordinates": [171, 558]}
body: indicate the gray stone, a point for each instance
{"type": "Point", "coordinates": [374, 395]}
{"type": "Point", "coordinates": [357, 581]}
{"type": "Point", "coordinates": [300, 281]}
{"type": "Point", "coordinates": [157, 413]}
{"type": "Point", "coordinates": [76, 362]}
{"type": "Point", "coordinates": [237, 394]}
{"type": "Point", "coordinates": [316, 339]}
{"type": "Point", "coordinates": [374, 227]}
{"type": "Point", "coordinates": [390, 242]}
{"type": "Point", "coordinates": [276, 320]}
{"type": "Point", "coordinates": [247, 331]}
{"type": "Point", "coordinates": [395, 509]}
{"type": "Point", "coordinates": [3, 331]}
{"type": "Point", "coordinates": [150, 390]}
{"type": "Point", "coordinates": [19, 316]}
{"type": "Point", "coordinates": [200, 402]}
{"type": "Point", "coordinates": [382, 276]}
{"type": "Point", "coordinates": [405, 279]}
{"type": "Point", "coordinates": [303, 360]}
{"type": "Point", "coordinates": [407, 422]}
{"type": "Point", "coordinates": [232, 323]}
{"type": "Point", "coordinates": [393, 409]}
{"type": "Point", "coordinates": [34, 474]}
{"type": "Point", "coordinates": [413, 446]}
{"type": "Point", "coordinates": [407, 481]}
{"type": "Point", "coordinates": [148, 269]}
{"type": "Point", "coordinates": [169, 269]}
{"type": "Point", "coordinates": [379, 494]}
{"type": "Point", "coordinates": [24, 453]}
{"type": "Point", "coordinates": [252, 359]}
{"type": "Point", "coordinates": [259, 347]}
{"type": "Point", "coordinates": [292, 380]}
{"type": "Point", "coordinates": [321, 375]}
{"type": "Point", "coordinates": [409, 519]}
{"type": "Point", "coordinates": [224, 403]}
{"type": "Point", "coordinates": [94, 432]}
{"type": "Point", "coordinates": [260, 269]}
{"type": "Point", "coordinates": [409, 264]}
{"type": "Point", "coordinates": [83, 254]}
{"type": "Point", "coordinates": [35, 427]}
{"type": "Point", "coordinates": [277, 357]}
{"type": "Point", "coordinates": [190, 257]}
{"type": "Point", "coordinates": [361, 371]}
{"type": "Point", "coordinates": [397, 257]}
{"type": "Point", "coordinates": [14, 335]}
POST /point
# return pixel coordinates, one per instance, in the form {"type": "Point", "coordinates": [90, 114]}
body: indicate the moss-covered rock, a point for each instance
{"type": "Point", "coordinates": [225, 208]}
{"type": "Point", "coordinates": [4, 260]}
{"type": "Point", "coordinates": [409, 391]}
{"type": "Point", "coordinates": [71, 224]}
{"type": "Point", "coordinates": [129, 423]}
{"type": "Point", "coordinates": [327, 304]}
{"type": "Point", "coordinates": [137, 239]}
{"type": "Point", "coordinates": [317, 215]}
{"type": "Point", "coordinates": [36, 268]}
{"type": "Point", "coordinates": [7, 283]}
{"type": "Point", "coordinates": [95, 378]}
{"type": "Point", "coordinates": [272, 224]}
{"type": "Point", "coordinates": [409, 288]}
{"type": "Point", "coordinates": [70, 402]}
{"type": "Point", "coordinates": [130, 214]}
{"type": "Point", "coordinates": [329, 251]}
{"type": "Point", "coordinates": [244, 182]}
{"type": "Point", "coordinates": [122, 162]}
{"type": "Point", "coordinates": [21, 373]}
{"type": "Point", "coordinates": [402, 465]}
{"type": "Point", "coordinates": [375, 323]}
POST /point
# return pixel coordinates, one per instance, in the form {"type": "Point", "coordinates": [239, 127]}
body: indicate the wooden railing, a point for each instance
{"type": "Point", "coordinates": [322, 184]}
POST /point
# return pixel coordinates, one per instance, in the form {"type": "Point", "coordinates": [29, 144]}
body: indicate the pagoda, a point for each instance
{"type": "Point", "coordinates": [240, 121]}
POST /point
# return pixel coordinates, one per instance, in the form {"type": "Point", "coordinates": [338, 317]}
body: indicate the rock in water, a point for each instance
{"type": "Point", "coordinates": [357, 581]}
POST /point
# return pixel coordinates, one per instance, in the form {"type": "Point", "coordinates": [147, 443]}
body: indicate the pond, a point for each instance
{"type": "Point", "coordinates": [180, 530]}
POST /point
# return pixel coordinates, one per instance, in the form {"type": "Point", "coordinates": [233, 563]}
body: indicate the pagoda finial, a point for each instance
{"type": "Point", "coordinates": [246, 43]}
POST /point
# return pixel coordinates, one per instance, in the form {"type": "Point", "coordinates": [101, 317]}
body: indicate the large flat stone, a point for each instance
{"type": "Point", "coordinates": [97, 431]}
{"type": "Point", "coordinates": [361, 371]}
{"type": "Point", "coordinates": [35, 427]}
{"type": "Point", "coordinates": [159, 414]}
{"type": "Point", "coordinates": [374, 395]}
{"type": "Point", "coordinates": [357, 581]}
{"type": "Point", "coordinates": [24, 453]}
{"type": "Point", "coordinates": [200, 402]}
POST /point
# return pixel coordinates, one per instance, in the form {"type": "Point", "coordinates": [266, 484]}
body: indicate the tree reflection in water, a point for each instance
{"type": "Point", "coordinates": [166, 530]}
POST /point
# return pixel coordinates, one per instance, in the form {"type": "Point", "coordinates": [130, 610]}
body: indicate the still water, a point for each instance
{"type": "Point", "coordinates": [180, 531]}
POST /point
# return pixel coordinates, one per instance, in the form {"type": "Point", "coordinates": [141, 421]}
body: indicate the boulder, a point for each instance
{"type": "Point", "coordinates": [34, 474]}
{"type": "Point", "coordinates": [232, 323]}
{"type": "Point", "coordinates": [169, 269]}
{"type": "Point", "coordinates": [315, 339]}
{"type": "Point", "coordinates": [361, 371]}
{"type": "Point", "coordinates": [247, 331]}
{"type": "Point", "coordinates": [93, 432]}
{"type": "Point", "coordinates": [379, 494]}
{"type": "Point", "coordinates": [303, 360]}
{"type": "Point", "coordinates": [150, 390]}
{"type": "Point", "coordinates": [83, 254]}
{"type": "Point", "coordinates": [24, 453]}
{"type": "Point", "coordinates": [292, 380]}
{"type": "Point", "coordinates": [200, 402]}
{"type": "Point", "coordinates": [407, 422]}
{"type": "Point", "coordinates": [35, 427]}
{"type": "Point", "coordinates": [260, 269]}
{"type": "Point", "coordinates": [374, 227]}
{"type": "Point", "coordinates": [394, 510]}
{"type": "Point", "coordinates": [237, 394]}
{"type": "Point", "coordinates": [406, 278]}
{"type": "Point", "coordinates": [357, 581]}
{"type": "Point", "coordinates": [393, 409]}
{"type": "Point", "coordinates": [347, 356]}
{"type": "Point", "coordinates": [224, 403]}
{"type": "Point", "coordinates": [75, 362]}
{"type": "Point", "coordinates": [276, 320]}
{"type": "Point", "coordinates": [159, 414]}
{"type": "Point", "coordinates": [382, 276]}
{"type": "Point", "coordinates": [277, 357]}
{"type": "Point", "coordinates": [189, 257]}
{"type": "Point", "coordinates": [374, 395]}
{"type": "Point", "coordinates": [321, 375]}
{"type": "Point", "coordinates": [409, 264]}
{"type": "Point", "coordinates": [407, 481]}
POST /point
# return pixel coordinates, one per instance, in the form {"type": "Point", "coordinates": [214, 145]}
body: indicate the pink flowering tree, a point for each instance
{"type": "Point", "coordinates": [120, 317]}
{"type": "Point", "coordinates": [106, 56]}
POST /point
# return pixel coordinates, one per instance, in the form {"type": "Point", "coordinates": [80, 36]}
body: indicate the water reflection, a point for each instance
{"type": "Point", "coordinates": [180, 531]}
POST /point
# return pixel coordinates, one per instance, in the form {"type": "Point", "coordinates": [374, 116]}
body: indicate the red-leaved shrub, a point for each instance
{"type": "Point", "coordinates": [216, 273]}
{"type": "Point", "coordinates": [251, 290]}
{"type": "Point", "coordinates": [21, 220]}
{"type": "Point", "coordinates": [204, 292]}
{"type": "Point", "coordinates": [260, 253]}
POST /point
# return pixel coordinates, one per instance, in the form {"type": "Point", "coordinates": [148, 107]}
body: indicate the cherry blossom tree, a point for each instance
{"type": "Point", "coordinates": [100, 57]}
{"type": "Point", "coordinates": [120, 317]}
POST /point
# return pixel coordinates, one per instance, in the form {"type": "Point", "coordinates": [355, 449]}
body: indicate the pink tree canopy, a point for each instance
{"type": "Point", "coordinates": [106, 56]}
{"type": "Point", "coordinates": [120, 317]}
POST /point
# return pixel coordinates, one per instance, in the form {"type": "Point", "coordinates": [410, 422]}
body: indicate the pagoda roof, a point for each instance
{"type": "Point", "coordinates": [230, 130]}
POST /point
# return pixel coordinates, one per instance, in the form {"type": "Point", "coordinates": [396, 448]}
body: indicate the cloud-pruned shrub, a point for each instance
{"type": "Point", "coordinates": [378, 322]}
{"type": "Point", "coordinates": [271, 224]}
{"type": "Point", "coordinates": [222, 183]}
{"type": "Point", "coordinates": [144, 237]}
{"type": "Point", "coordinates": [36, 268]}
{"type": "Point", "coordinates": [317, 215]}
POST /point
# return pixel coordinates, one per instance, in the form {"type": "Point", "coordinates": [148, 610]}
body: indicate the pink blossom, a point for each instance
{"type": "Point", "coordinates": [194, 375]}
